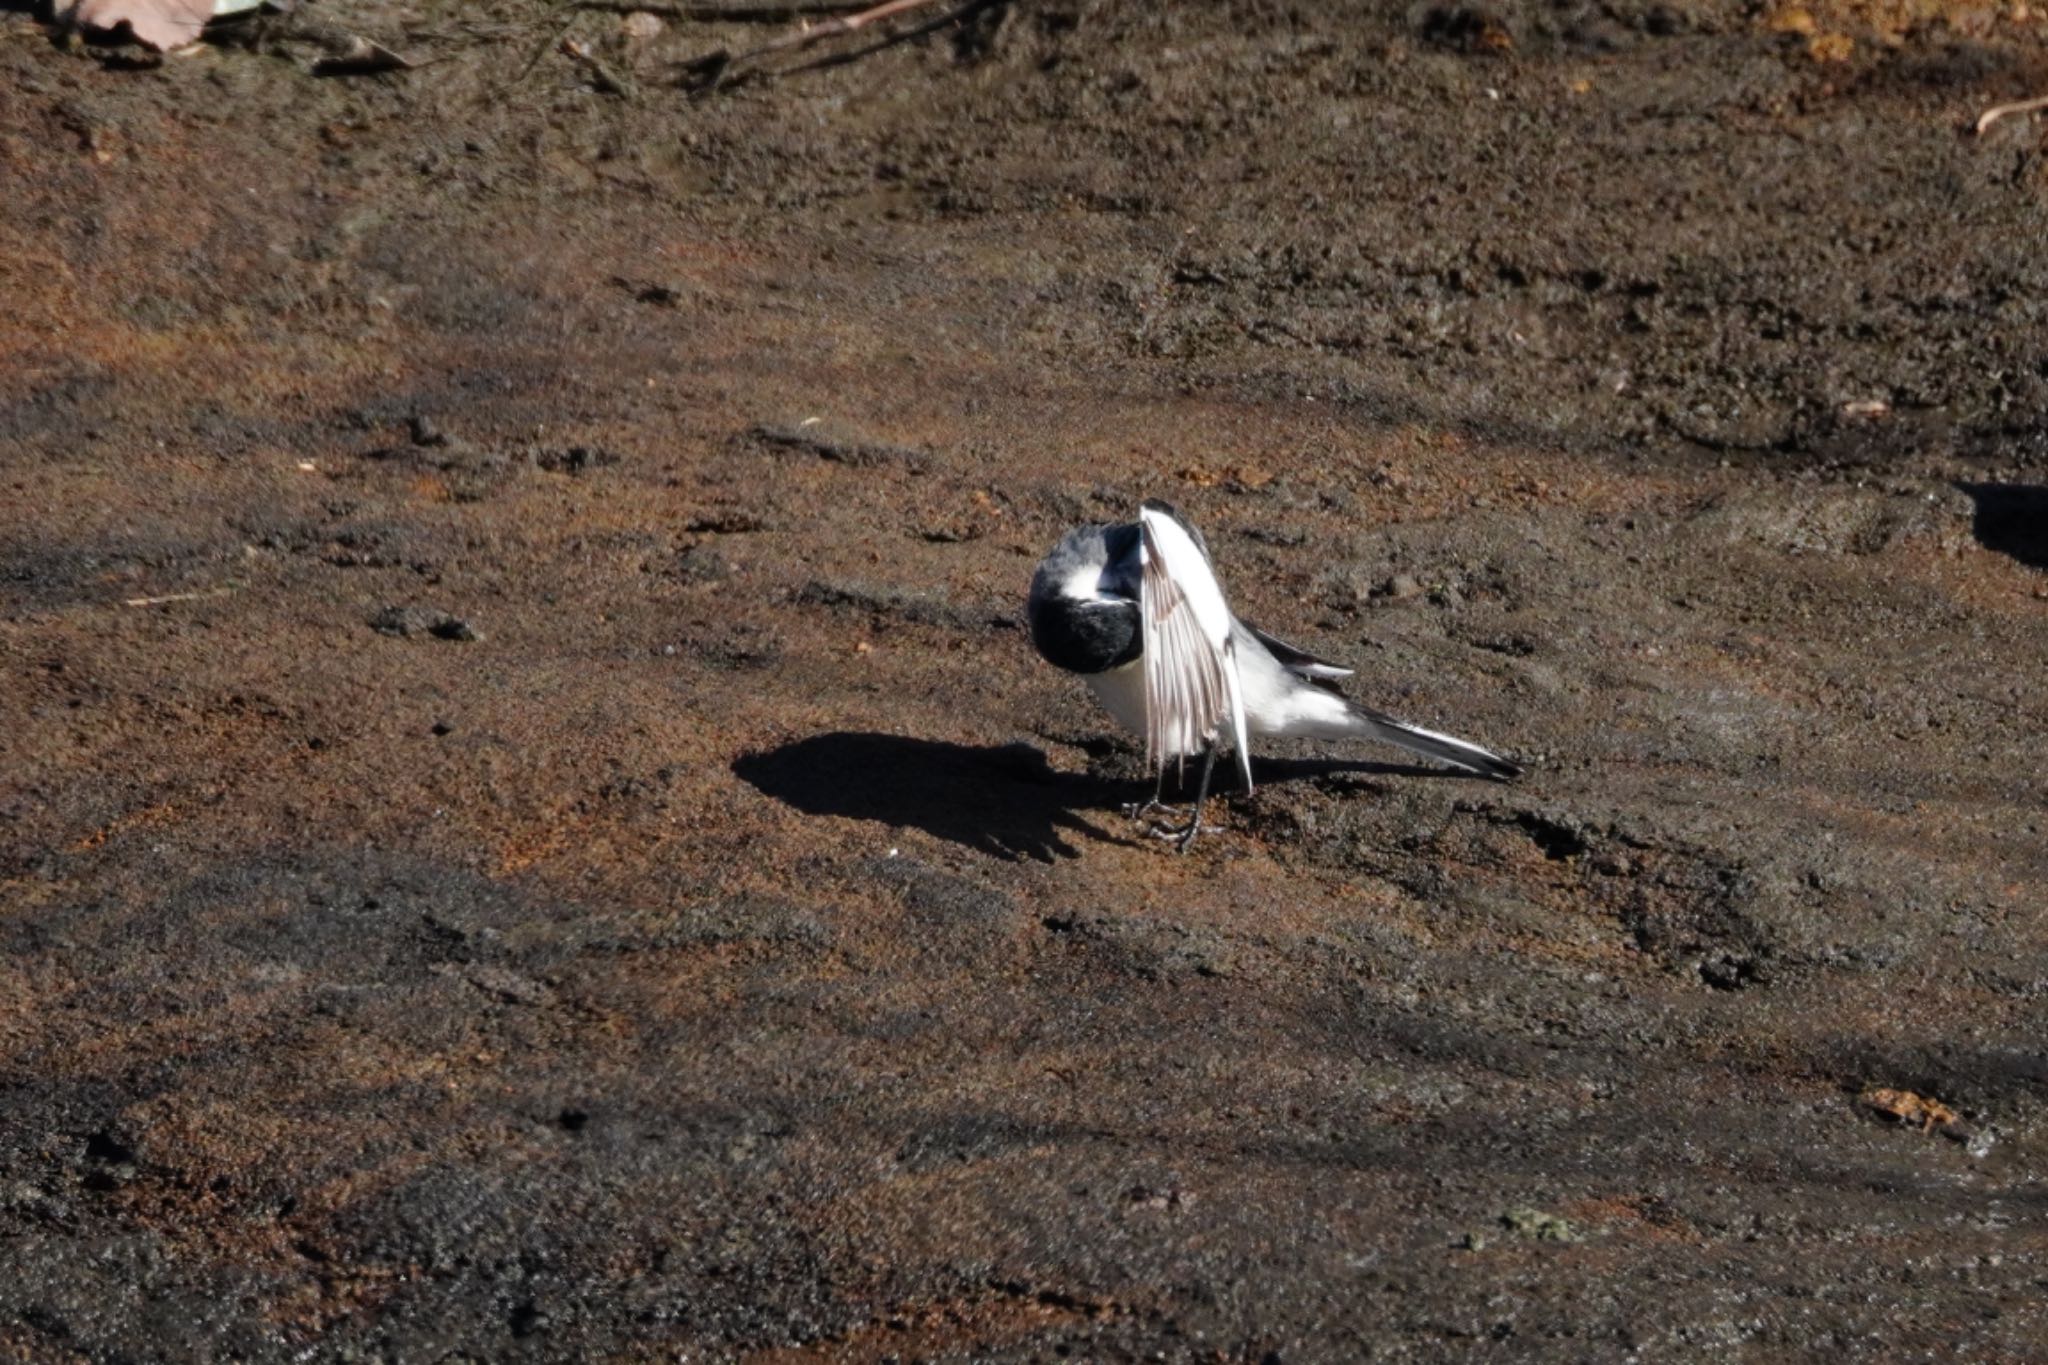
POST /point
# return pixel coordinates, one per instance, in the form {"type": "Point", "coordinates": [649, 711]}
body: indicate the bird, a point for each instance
{"type": "Point", "coordinates": [1137, 610]}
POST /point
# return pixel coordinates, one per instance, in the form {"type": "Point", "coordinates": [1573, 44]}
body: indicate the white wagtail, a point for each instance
{"type": "Point", "coordinates": [1138, 612]}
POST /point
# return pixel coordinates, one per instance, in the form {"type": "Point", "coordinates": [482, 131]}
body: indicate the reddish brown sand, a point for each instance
{"type": "Point", "coordinates": [528, 825]}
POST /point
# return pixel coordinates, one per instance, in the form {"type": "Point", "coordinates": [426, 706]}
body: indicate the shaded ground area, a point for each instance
{"type": "Point", "coordinates": [528, 825]}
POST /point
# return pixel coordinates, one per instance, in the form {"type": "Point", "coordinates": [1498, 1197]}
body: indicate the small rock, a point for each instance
{"type": "Point", "coordinates": [574, 459]}
{"type": "Point", "coordinates": [1401, 587]}
{"type": "Point", "coordinates": [405, 622]}
{"type": "Point", "coordinates": [425, 432]}
{"type": "Point", "coordinates": [400, 621]}
{"type": "Point", "coordinates": [702, 564]}
{"type": "Point", "coordinates": [1544, 1227]}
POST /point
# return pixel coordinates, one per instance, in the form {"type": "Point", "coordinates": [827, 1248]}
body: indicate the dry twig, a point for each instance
{"type": "Point", "coordinates": [1999, 111]}
{"type": "Point", "coordinates": [768, 12]}
{"type": "Point", "coordinates": [175, 597]}
{"type": "Point", "coordinates": [710, 71]}
{"type": "Point", "coordinates": [807, 34]}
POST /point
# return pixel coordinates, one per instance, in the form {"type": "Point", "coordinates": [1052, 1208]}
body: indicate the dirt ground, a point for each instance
{"type": "Point", "coordinates": [529, 827]}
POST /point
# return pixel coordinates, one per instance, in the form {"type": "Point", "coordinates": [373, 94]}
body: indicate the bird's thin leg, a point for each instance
{"type": "Point", "coordinates": [1139, 810]}
{"type": "Point", "coordinates": [1185, 835]}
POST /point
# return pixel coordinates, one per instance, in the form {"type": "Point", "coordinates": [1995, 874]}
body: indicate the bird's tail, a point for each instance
{"type": "Point", "coordinates": [1430, 744]}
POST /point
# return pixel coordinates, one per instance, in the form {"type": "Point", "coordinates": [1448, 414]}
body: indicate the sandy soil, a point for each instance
{"type": "Point", "coordinates": [528, 826]}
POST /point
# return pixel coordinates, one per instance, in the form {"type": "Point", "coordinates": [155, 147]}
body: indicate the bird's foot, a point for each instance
{"type": "Point", "coordinates": [1139, 810]}
{"type": "Point", "coordinates": [1184, 835]}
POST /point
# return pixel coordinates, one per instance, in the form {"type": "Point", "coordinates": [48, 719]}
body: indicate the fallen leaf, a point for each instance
{"type": "Point", "coordinates": [161, 24]}
{"type": "Point", "coordinates": [1907, 1107]}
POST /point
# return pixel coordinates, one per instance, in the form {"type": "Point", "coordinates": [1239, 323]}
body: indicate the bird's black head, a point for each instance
{"type": "Point", "coordinates": [1083, 606]}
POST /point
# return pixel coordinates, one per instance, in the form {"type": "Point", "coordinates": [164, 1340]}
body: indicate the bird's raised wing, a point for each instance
{"type": "Point", "coordinates": [1192, 692]}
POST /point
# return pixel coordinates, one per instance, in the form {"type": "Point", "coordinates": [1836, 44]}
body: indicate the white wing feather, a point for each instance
{"type": "Point", "coordinates": [1192, 690]}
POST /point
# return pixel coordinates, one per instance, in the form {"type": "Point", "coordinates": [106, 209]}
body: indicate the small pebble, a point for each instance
{"type": "Point", "coordinates": [405, 622]}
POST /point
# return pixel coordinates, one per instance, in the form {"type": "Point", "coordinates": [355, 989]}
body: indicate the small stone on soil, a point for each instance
{"type": "Point", "coordinates": [405, 622]}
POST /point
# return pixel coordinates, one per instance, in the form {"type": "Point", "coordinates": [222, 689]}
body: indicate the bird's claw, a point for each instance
{"type": "Point", "coordinates": [1184, 835]}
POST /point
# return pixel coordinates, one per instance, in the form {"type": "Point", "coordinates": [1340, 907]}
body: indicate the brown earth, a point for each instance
{"type": "Point", "coordinates": [528, 826]}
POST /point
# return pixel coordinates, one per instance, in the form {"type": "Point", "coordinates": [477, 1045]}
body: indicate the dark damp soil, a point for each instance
{"type": "Point", "coordinates": [529, 828]}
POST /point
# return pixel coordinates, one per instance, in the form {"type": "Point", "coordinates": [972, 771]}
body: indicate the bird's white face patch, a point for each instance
{"type": "Point", "coordinates": [1085, 585]}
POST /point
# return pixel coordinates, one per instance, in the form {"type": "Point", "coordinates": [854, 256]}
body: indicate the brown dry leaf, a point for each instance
{"type": "Point", "coordinates": [1792, 19]}
{"type": "Point", "coordinates": [1907, 1107]}
{"type": "Point", "coordinates": [1831, 47]}
{"type": "Point", "coordinates": [161, 24]}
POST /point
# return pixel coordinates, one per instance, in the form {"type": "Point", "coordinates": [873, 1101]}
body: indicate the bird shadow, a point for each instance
{"type": "Point", "coordinates": [1003, 800]}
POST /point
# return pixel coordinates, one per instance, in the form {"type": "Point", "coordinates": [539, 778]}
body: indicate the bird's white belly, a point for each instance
{"type": "Point", "coordinates": [1121, 691]}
